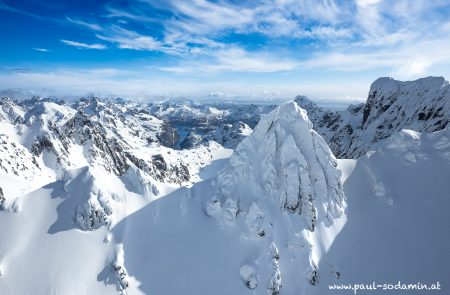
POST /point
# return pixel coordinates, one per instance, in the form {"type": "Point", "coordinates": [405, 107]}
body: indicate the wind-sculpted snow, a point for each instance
{"type": "Point", "coordinates": [286, 162]}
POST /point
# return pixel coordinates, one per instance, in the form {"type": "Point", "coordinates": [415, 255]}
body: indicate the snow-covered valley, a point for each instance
{"type": "Point", "coordinates": [118, 197]}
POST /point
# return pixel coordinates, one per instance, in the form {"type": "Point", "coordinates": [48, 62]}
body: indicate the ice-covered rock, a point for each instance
{"type": "Point", "coordinates": [2, 200]}
{"type": "Point", "coordinates": [274, 286]}
{"type": "Point", "coordinates": [120, 272]}
{"type": "Point", "coordinates": [91, 197]}
{"type": "Point", "coordinates": [94, 213]}
{"type": "Point", "coordinates": [248, 276]}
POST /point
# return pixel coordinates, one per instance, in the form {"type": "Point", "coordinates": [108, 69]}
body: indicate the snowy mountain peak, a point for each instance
{"type": "Point", "coordinates": [284, 161]}
{"type": "Point", "coordinates": [282, 178]}
{"type": "Point", "coordinates": [304, 102]}
{"type": "Point", "coordinates": [385, 92]}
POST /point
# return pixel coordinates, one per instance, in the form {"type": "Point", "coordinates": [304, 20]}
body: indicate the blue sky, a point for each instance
{"type": "Point", "coordinates": [267, 49]}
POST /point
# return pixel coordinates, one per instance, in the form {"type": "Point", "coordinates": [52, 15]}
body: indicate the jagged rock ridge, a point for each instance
{"type": "Point", "coordinates": [422, 105]}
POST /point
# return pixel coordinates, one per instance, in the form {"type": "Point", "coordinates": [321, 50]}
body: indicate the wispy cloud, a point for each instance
{"type": "Point", "coordinates": [126, 39]}
{"type": "Point", "coordinates": [200, 17]}
{"type": "Point", "coordinates": [82, 23]}
{"type": "Point", "coordinates": [5, 7]}
{"type": "Point", "coordinates": [364, 3]}
{"type": "Point", "coordinates": [83, 45]}
{"type": "Point", "coordinates": [236, 60]}
{"type": "Point", "coordinates": [194, 30]}
{"type": "Point", "coordinates": [406, 60]}
{"type": "Point", "coordinates": [41, 49]}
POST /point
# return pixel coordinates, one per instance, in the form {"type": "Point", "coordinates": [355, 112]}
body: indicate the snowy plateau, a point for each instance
{"type": "Point", "coordinates": [110, 196]}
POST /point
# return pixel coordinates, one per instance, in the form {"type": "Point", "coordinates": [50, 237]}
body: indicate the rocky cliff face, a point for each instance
{"type": "Point", "coordinates": [89, 131]}
{"type": "Point", "coordinates": [338, 128]}
{"type": "Point", "coordinates": [227, 135]}
{"type": "Point", "coordinates": [422, 105]}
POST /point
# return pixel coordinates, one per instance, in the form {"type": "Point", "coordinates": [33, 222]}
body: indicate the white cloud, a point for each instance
{"type": "Point", "coordinates": [369, 19]}
{"type": "Point", "coordinates": [236, 59]}
{"type": "Point", "coordinates": [413, 68]}
{"type": "Point", "coordinates": [41, 49]}
{"type": "Point", "coordinates": [327, 32]}
{"type": "Point", "coordinates": [201, 17]}
{"type": "Point", "coordinates": [367, 2]}
{"type": "Point", "coordinates": [131, 40]}
{"type": "Point", "coordinates": [91, 26]}
{"type": "Point", "coordinates": [83, 45]}
{"type": "Point", "coordinates": [411, 59]}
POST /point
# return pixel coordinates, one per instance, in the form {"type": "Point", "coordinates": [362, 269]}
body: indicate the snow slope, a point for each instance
{"type": "Point", "coordinates": [248, 229]}
{"type": "Point", "coordinates": [58, 238]}
{"type": "Point", "coordinates": [397, 219]}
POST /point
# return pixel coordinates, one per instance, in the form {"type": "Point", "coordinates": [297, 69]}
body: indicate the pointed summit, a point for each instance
{"type": "Point", "coordinates": [286, 163]}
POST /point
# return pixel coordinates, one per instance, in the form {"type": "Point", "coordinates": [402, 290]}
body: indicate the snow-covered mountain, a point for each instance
{"type": "Point", "coordinates": [103, 197]}
{"type": "Point", "coordinates": [41, 139]}
{"type": "Point", "coordinates": [257, 226]}
{"type": "Point", "coordinates": [422, 105]}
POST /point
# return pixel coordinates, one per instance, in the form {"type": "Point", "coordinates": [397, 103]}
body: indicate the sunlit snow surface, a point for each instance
{"type": "Point", "coordinates": [395, 228]}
